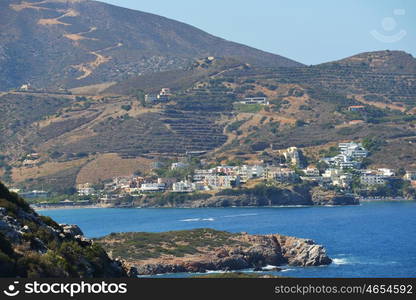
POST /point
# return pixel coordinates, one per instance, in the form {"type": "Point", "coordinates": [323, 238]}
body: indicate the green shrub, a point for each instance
{"type": "Point", "coordinates": [235, 125]}
{"type": "Point", "coordinates": [7, 265]}
{"type": "Point", "coordinates": [50, 222]}
{"type": "Point", "coordinates": [248, 108]}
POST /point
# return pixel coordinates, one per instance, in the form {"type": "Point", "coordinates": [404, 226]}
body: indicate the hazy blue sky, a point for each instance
{"type": "Point", "coordinates": [308, 31]}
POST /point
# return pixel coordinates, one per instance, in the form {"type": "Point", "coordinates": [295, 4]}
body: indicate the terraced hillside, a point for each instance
{"type": "Point", "coordinates": [162, 133]}
{"type": "Point", "coordinates": [309, 108]}
{"type": "Point", "coordinates": [384, 76]}
{"type": "Point", "coordinates": [69, 140]}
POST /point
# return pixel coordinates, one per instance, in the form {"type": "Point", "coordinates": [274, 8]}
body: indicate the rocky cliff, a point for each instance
{"type": "Point", "coordinates": [206, 249]}
{"type": "Point", "coordinates": [320, 196]}
{"type": "Point", "coordinates": [36, 246]}
{"type": "Point", "coordinates": [260, 195]}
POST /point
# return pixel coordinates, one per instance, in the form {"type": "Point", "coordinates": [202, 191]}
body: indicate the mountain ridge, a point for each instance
{"type": "Point", "coordinates": [389, 61]}
{"type": "Point", "coordinates": [75, 43]}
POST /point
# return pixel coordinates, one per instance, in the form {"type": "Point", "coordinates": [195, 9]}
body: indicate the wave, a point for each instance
{"type": "Point", "coordinates": [215, 272]}
{"type": "Point", "coordinates": [199, 220]}
{"type": "Point", "coordinates": [287, 270]}
{"type": "Point", "coordinates": [360, 261]}
{"type": "Point", "coordinates": [341, 261]}
{"type": "Point", "coordinates": [269, 267]}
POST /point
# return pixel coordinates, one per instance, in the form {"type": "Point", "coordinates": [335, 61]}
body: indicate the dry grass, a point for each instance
{"type": "Point", "coordinates": [49, 168]}
{"type": "Point", "coordinates": [94, 89]}
{"type": "Point", "coordinates": [51, 22]}
{"type": "Point", "coordinates": [107, 166]}
{"type": "Point", "coordinates": [89, 67]}
{"type": "Point", "coordinates": [25, 5]}
{"type": "Point", "coordinates": [379, 104]}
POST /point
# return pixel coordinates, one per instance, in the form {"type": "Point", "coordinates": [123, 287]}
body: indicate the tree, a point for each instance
{"type": "Point", "coordinates": [300, 123]}
{"type": "Point", "coordinates": [140, 95]}
{"type": "Point", "coordinates": [126, 107]}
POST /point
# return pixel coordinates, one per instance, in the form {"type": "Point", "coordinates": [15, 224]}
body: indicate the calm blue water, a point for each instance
{"type": "Point", "coordinates": [371, 240]}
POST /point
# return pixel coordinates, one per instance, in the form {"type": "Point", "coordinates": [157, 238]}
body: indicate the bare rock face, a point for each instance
{"type": "Point", "coordinates": [302, 252]}
{"type": "Point", "coordinates": [10, 227]}
{"type": "Point", "coordinates": [71, 230]}
{"type": "Point", "coordinates": [327, 197]}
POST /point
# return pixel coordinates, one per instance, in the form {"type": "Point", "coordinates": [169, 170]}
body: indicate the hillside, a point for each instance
{"type": "Point", "coordinates": [55, 43]}
{"type": "Point", "coordinates": [35, 246]}
{"type": "Point", "coordinates": [74, 134]}
{"type": "Point", "coordinates": [396, 62]}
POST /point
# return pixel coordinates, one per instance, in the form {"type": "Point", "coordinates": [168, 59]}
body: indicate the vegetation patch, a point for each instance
{"type": "Point", "coordinates": [143, 245]}
{"type": "Point", "coordinates": [248, 108]}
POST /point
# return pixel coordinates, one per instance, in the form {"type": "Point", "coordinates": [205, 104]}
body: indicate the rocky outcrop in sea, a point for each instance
{"type": "Point", "coordinates": [218, 251]}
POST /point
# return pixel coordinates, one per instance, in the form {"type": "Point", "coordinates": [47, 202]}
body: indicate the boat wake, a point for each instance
{"type": "Point", "coordinates": [199, 220]}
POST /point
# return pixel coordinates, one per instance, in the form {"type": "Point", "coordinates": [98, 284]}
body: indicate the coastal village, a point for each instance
{"type": "Point", "coordinates": [342, 169]}
{"type": "Point", "coordinates": [343, 172]}
{"type": "Point", "coordinates": [135, 146]}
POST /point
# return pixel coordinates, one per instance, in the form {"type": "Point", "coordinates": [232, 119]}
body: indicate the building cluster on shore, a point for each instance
{"type": "Point", "coordinates": [340, 172]}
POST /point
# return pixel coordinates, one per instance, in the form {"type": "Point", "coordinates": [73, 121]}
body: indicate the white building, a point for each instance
{"type": "Point", "coordinates": [343, 180]}
{"type": "Point", "coordinates": [85, 189]}
{"type": "Point", "coordinates": [179, 165]}
{"type": "Point", "coordinates": [342, 161]}
{"type": "Point", "coordinates": [163, 95]}
{"type": "Point", "coordinates": [219, 182]}
{"type": "Point", "coordinates": [165, 92]}
{"type": "Point", "coordinates": [386, 172]}
{"type": "Point", "coordinates": [330, 173]}
{"type": "Point", "coordinates": [227, 170]}
{"type": "Point", "coordinates": [182, 186]}
{"type": "Point", "coordinates": [167, 182]}
{"type": "Point", "coordinates": [311, 172]}
{"type": "Point", "coordinates": [292, 156]}
{"type": "Point", "coordinates": [351, 155]}
{"type": "Point", "coordinates": [247, 172]}
{"type": "Point", "coordinates": [353, 150]}
{"type": "Point", "coordinates": [152, 187]}
{"type": "Point", "coordinates": [255, 100]}
{"type": "Point", "coordinates": [280, 174]}
{"type": "Point", "coordinates": [410, 175]}
{"type": "Point", "coordinates": [373, 179]}
{"type": "Point", "coordinates": [200, 174]}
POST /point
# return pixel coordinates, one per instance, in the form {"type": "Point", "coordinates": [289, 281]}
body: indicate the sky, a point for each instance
{"type": "Point", "coordinates": [307, 31]}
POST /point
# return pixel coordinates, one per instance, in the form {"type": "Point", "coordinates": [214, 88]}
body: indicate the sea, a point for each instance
{"type": "Point", "coordinates": [374, 239]}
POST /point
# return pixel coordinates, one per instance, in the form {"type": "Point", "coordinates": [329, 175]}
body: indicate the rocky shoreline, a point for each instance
{"type": "Point", "coordinates": [202, 250]}
{"type": "Point", "coordinates": [251, 197]}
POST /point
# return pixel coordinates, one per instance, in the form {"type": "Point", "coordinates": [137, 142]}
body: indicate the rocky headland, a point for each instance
{"type": "Point", "coordinates": [204, 250]}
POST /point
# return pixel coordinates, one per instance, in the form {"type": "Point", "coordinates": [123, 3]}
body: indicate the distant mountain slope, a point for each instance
{"type": "Point", "coordinates": [80, 42]}
{"type": "Point", "coordinates": [396, 62]}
